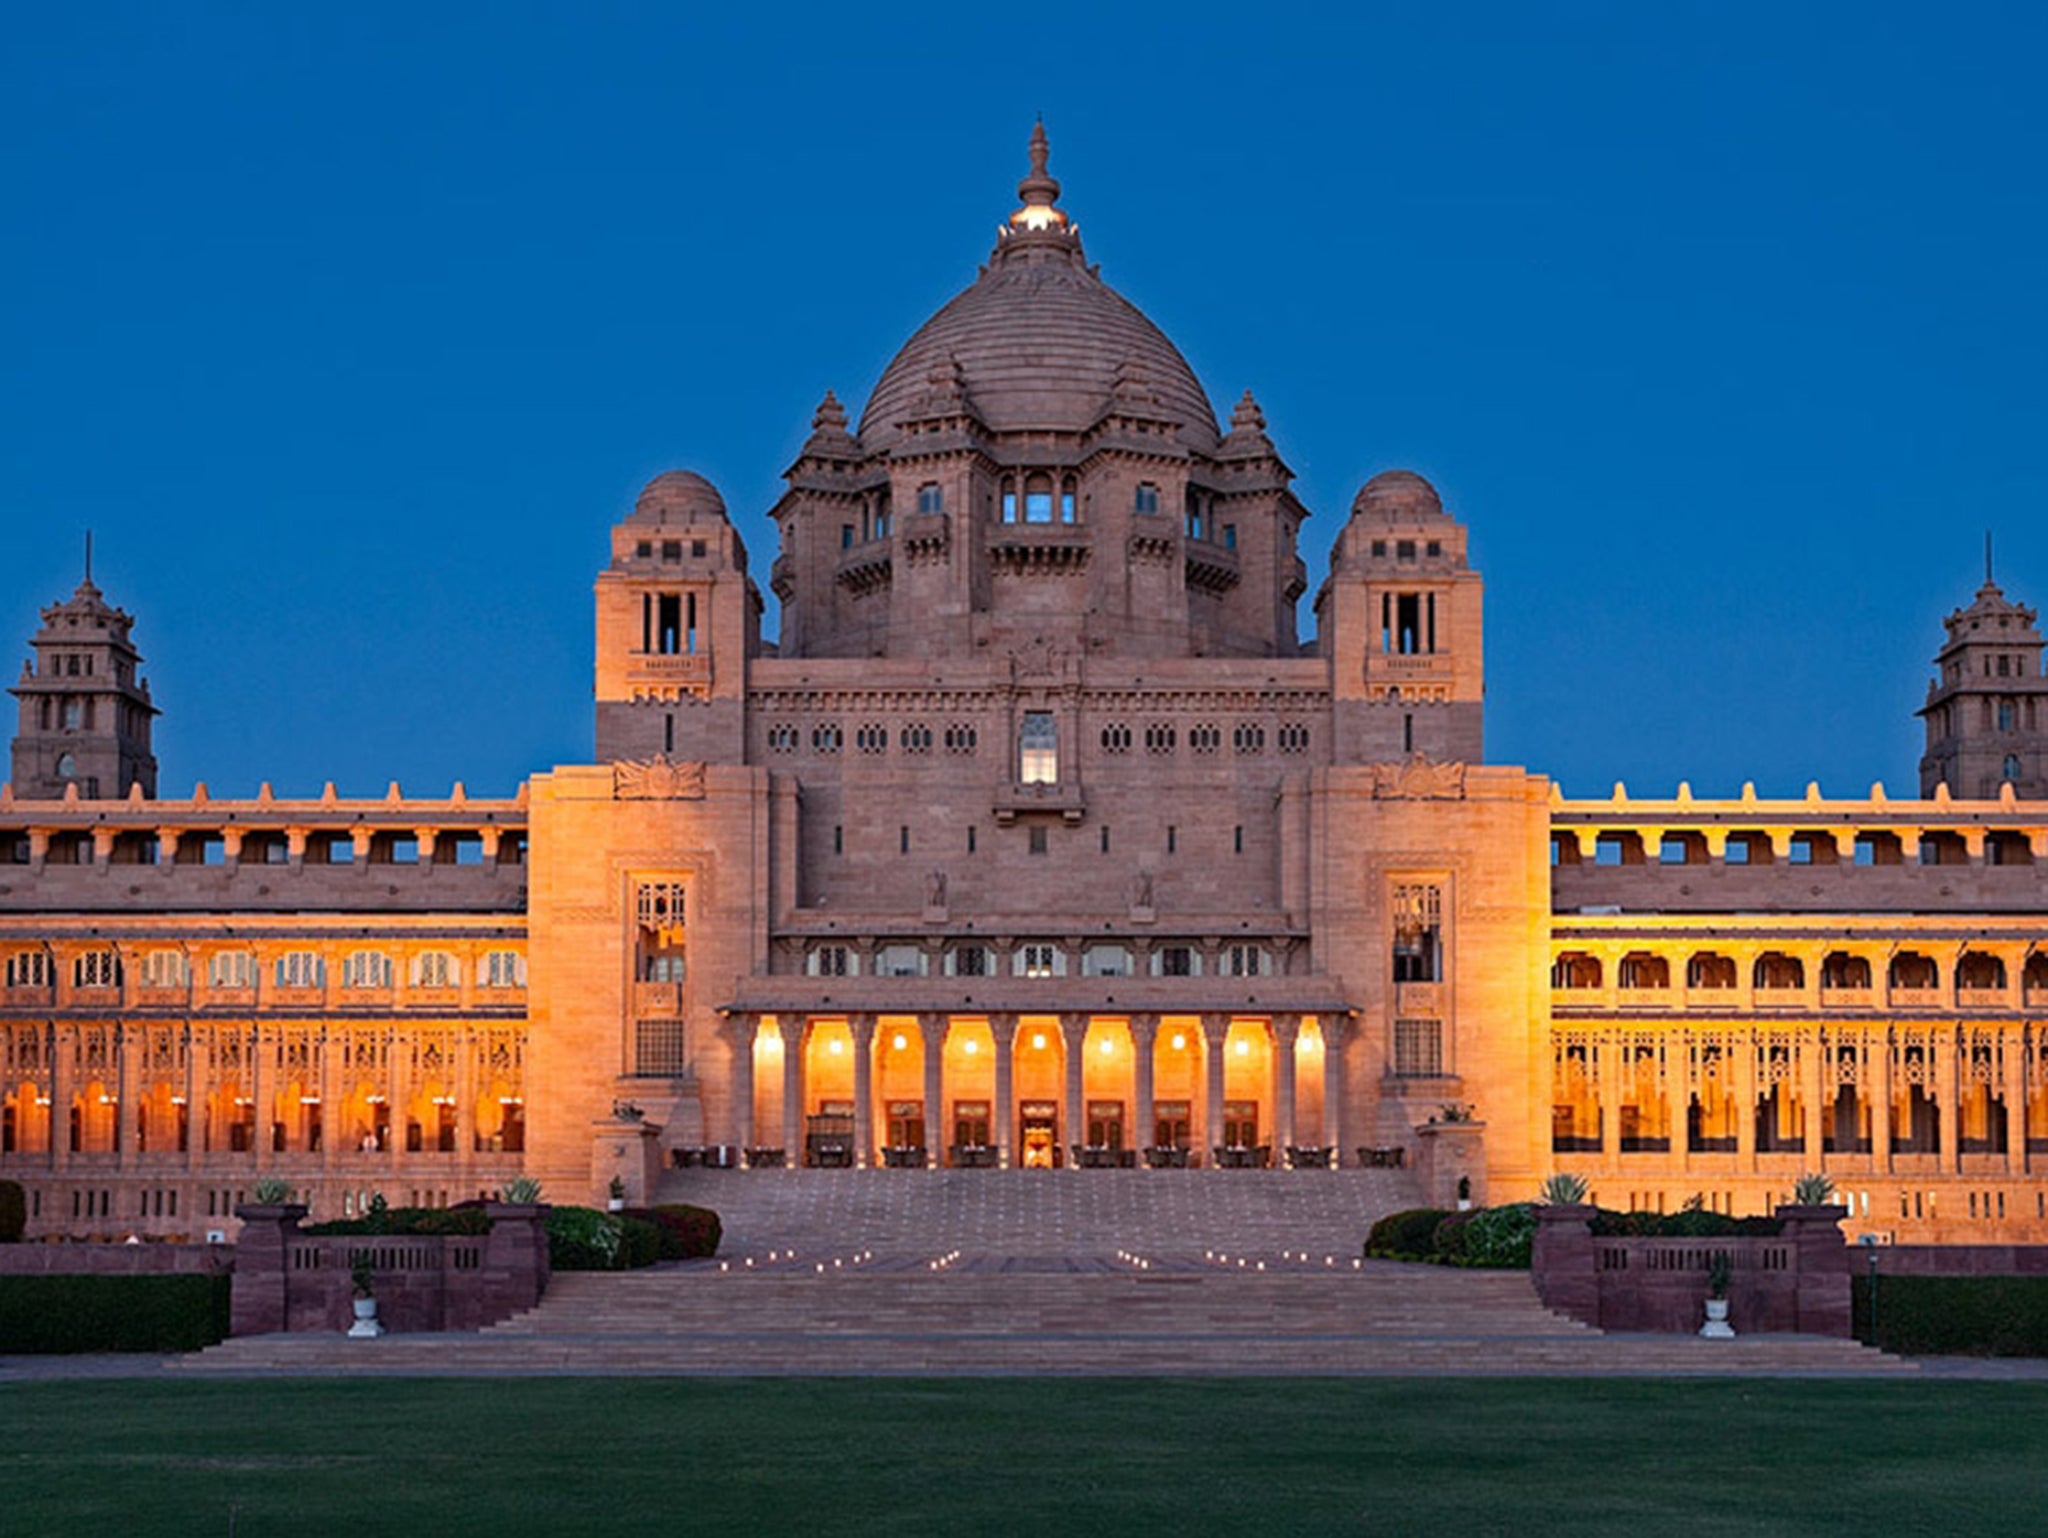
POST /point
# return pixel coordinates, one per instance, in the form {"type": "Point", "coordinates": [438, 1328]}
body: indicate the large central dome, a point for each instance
{"type": "Point", "coordinates": [1039, 341]}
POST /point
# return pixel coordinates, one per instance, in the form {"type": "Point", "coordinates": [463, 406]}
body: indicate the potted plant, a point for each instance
{"type": "Point", "coordinates": [524, 1191]}
{"type": "Point", "coordinates": [1813, 1191]}
{"type": "Point", "coordinates": [1717, 1326]}
{"type": "Point", "coordinates": [363, 1283]}
{"type": "Point", "coordinates": [616, 1199]}
{"type": "Point", "coordinates": [1564, 1190]}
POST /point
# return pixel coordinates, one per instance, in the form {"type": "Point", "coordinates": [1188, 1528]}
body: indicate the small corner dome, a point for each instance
{"type": "Point", "coordinates": [1397, 494]}
{"type": "Point", "coordinates": [676, 496]}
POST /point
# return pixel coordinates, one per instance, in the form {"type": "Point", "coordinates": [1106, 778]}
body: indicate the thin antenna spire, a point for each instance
{"type": "Point", "coordinates": [1987, 556]}
{"type": "Point", "coordinates": [88, 555]}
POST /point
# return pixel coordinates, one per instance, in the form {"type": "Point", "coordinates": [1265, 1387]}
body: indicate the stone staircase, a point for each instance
{"type": "Point", "coordinates": [1061, 1272]}
{"type": "Point", "coordinates": [1056, 1315]}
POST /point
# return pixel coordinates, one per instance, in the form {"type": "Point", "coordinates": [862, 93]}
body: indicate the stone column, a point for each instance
{"type": "Point", "coordinates": [793, 1031]}
{"type": "Point", "coordinates": [1678, 1100]}
{"type": "Point", "coordinates": [2013, 1084]}
{"type": "Point", "coordinates": [1286, 1031]}
{"type": "Point", "coordinates": [198, 1094]}
{"type": "Point", "coordinates": [465, 1108]}
{"type": "Point", "coordinates": [398, 1095]}
{"type": "Point", "coordinates": [1608, 1056]}
{"type": "Point", "coordinates": [262, 1091]}
{"type": "Point", "coordinates": [1144, 1036]}
{"type": "Point", "coordinates": [1943, 1046]}
{"type": "Point", "coordinates": [1336, 1033]}
{"type": "Point", "coordinates": [739, 1034]}
{"type": "Point", "coordinates": [130, 1044]}
{"type": "Point", "coordinates": [1812, 1088]}
{"type": "Point", "coordinates": [931, 1030]}
{"type": "Point", "coordinates": [1074, 1045]}
{"type": "Point", "coordinates": [1880, 1076]}
{"type": "Point", "coordinates": [862, 1029]}
{"type": "Point", "coordinates": [1214, 1028]}
{"type": "Point", "coordinates": [62, 1044]}
{"type": "Point", "coordinates": [1004, 1028]}
{"type": "Point", "coordinates": [331, 1131]}
{"type": "Point", "coordinates": [1742, 1084]}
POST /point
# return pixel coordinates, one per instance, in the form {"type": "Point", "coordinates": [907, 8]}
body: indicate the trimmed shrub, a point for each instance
{"type": "Point", "coordinates": [1409, 1235]}
{"type": "Point", "coordinates": [1687, 1223]}
{"type": "Point", "coordinates": [52, 1314]}
{"type": "Point", "coordinates": [639, 1242]}
{"type": "Point", "coordinates": [13, 1211]}
{"type": "Point", "coordinates": [583, 1239]}
{"type": "Point", "coordinates": [1955, 1315]}
{"type": "Point", "coordinates": [1447, 1242]}
{"type": "Point", "coordinates": [687, 1233]}
{"type": "Point", "coordinates": [407, 1221]}
{"type": "Point", "coordinates": [1500, 1238]}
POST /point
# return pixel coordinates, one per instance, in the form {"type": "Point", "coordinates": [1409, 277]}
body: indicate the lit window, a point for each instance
{"type": "Point", "coordinates": [1040, 961]}
{"type": "Point", "coordinates": [1039, 749]}
{"type": "Point", "coordinates": [1418, 934]}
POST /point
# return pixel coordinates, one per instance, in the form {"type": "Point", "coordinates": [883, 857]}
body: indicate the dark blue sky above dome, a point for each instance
{"type": "Point", "coordinates": [350, 331]}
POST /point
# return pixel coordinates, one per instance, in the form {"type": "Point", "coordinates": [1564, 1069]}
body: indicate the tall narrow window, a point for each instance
{"type": "Point", "coordinates": [1418, 934]}
{"type": "Point", "coordinates": [1408, 624]}
{"type": "Point", "coordinates": [1038, 499]}
{"type": "Point", "coordinates": [668, 633]}
{"type": "Point", "coordinates": [930, 499]}
{"type": "Point", "coordinates": [1009, 501]}
{"type": "Point", "coordinates": [1039, 749]}
{"type": "Point", "coordinates": [1147, 500]}
{"type": "Point", "coordinates": [1067, 500]}
{"type": "Point", "coordinates": [690, 623]}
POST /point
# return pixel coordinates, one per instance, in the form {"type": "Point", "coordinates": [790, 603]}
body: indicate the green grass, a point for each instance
{"type": "Point", "coordinates": [994, 1456]}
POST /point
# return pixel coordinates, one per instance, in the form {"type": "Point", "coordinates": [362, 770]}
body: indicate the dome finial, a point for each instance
{"type": "Point", "coordinates": [1040, 190]}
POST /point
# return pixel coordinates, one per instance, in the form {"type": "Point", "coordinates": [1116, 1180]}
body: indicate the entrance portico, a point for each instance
{"type": "Point", "coordinates": [1039, 1088]}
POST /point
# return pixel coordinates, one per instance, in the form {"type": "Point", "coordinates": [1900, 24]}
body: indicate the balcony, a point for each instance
{"type": "Point", "coordinates": [1018, 800]}
{"type": "Point", "coordinates": [657, 999]}
{"type": "Point", "coordinates": [1643, 998]}
{"type": "Point", "coordinates": [1045, 549]}
{"type": "Point", "coordinates": [867, 568]}
{"type": "Point", "coordinates": [1915, 998]}
{"type": "Point", "coordinates": [1983, 998]}
{"type": "Point", "coordinates": [1211, 568]}
{"type": "Point", "coordinates": [1847, 998]}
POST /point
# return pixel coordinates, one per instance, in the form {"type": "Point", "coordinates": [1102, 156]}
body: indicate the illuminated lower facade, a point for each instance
{"type": "Point", "coordinates": [1038, 838]}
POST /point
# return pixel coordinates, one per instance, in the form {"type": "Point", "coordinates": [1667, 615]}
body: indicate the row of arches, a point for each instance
{"type": "Point", "coordinates": [1973, 970]}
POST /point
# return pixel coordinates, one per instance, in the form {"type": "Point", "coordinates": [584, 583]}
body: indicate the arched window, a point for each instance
{"type": "Point", "coordinates": [1038, 744]}
{"type": "Point", "coordinates": [2010, 770]}
{"type": "Point", "coordinates": [1067, 500]}
{"type": "Point", "coordinates": [1038, 499]}
{"type": "Point", "coordinates": [1709, 969]}
{"type": "Point", "coordinates": [67, 767]}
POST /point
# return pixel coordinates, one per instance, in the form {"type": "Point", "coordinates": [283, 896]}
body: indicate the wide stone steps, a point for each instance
{"type": "Point", "coordinates": [1184, 1318]}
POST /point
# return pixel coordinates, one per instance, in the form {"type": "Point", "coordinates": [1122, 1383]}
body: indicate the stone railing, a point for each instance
{"type": "Point", "coordinates": [289, 1281]}
{"type": "Point", "coordinates": [115, 1259]}
{"type": "Point", "coordinates": [1796, 1280]}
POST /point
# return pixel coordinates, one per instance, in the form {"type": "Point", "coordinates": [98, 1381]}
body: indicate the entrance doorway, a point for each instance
{"type": "Point", "coordinates": [1039, 1147]}
{"type": "Point", "coordinates": [1106, 1124]}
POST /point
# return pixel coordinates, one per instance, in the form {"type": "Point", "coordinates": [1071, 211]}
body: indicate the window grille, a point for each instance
{"type": "Point", "coordinates": [231, 969]}
{"type": "Point", "coordinates": [659, 1048]}
{"type": "Point", "coordinates": [1418, 1049]}
{"type": "Point", "coordinates": [366, 969]}
{"type": "Point", "coordinates": [165, 969]}
{"type": "Point", "coordinates": [504, 969]}
{"type": "Point", "coordinates": [1418, 932]}
{"type": "Point", "coordinates": [434, 969]}
{"type": "Point", "coordinates": [660, 904]}
{"type": "Point", "coordinates": [301, 969]}
{"type": "Point", "coordinates": [29, 969]}
{"type": "Point", "coordinates": [97, 969]}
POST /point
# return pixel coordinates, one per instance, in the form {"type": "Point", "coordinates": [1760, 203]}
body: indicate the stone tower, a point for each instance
{"type": "Point", "coordinates": [85, 710]}
{"type": "Point", "coordinates": [1987, 712]}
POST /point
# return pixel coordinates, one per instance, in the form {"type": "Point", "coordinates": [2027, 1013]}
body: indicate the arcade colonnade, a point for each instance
{"type": "Point", "coordinates": [1023, 1089]}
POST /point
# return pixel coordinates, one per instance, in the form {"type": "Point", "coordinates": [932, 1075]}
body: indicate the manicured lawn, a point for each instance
{"type": "Point", "coordinates": [983, 1456]}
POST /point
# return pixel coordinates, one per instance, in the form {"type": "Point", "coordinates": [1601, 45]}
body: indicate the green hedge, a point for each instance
{"type": "Point", "coordinates": [1409, 1235]}
{"type": "Point", "coordinates": [1495, 1237]}
{"type": "Point", "coordinates": [687, 1233]}
{"type": "Point", "coordinates": [1955, 1315]}
{"type": "Point", "coordinates": [46, 1314]}
{"type": "Point", "coordinates": [407, 1221]}
{"type": "Point", "coordinates": [1688, 1222]}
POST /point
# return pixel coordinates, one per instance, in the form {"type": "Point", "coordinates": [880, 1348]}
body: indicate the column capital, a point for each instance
{"type": "Point", "coordinates": [1002, 1024]}
{"type": "Point", "coordinates": [1073, 1026]}
{"type": "Point", "coordinates": [740, 1027]}
{"type": "Point", "coordinates": [862, 1025]}
{"type": "Point", "coordinates": [1286, 1028]}
{"type": "Point", "coordinates": [1144, 1028]}
{"type": "Point", "coordinates": [932, 1028]}
{"type": "Point", "coordinates": [1335, 1029]}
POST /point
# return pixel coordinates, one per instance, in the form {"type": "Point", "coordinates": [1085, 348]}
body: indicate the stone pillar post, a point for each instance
{"type": "Point", "coordinates": [1336, 1033]}
{"type": "Point", "coordinates": [63, 1044]}
{"type": "Point", "coordinates": [1943, 1046]}
{"type": "Point", "coordinates": [1144, 1037]}
{"type": "Point", "coordinates": [1286, 1030]}
{"type": "Point", "coordinates": [1562, 1263]}
{"type": "Point", "coordinates": [1073, 1044]}
{"type": "Point", "coordinates": [931, 1030]}
{"type": "Point", "coordinates": [862, 1028]}
{"type": "Point", "coordinates": [739, 1035]}
{"type": "Point", "coordinates": [1880, 1077]}
{"type": "Point", "coordinates": [1821, 1289]}
{"type": "Point", "coordinates": [1214, 1028]}
{"type": "Point", "coordinates": [1004, 1028]}
{"type": "Point", "coordinates": [793, 1031]}
{"type": "Point", "coordinates": [259, 1303]}
{"type": "Point", "coordinates": [2013, 1086]}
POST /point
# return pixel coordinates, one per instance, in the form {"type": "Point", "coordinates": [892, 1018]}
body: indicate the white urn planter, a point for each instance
{"type": "Point", "coordinates": [366, 1326]}
{"type": "Point", "coordinates": [615, 1204]}
{"type": "Point", "coordinates": [1717, 1326]}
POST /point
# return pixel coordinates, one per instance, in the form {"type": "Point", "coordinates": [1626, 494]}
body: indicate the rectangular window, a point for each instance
{"type": "Point", "coordinates": [660, 1048]}
{"type": "Point", "coordinates": [434, 969]}
{"type": "Point", "coordinates": [930, 499]}
{"type": "Point", "coordinates": [900, 961]}
{"type": "Point", "coordinates": [1418, 1049]}
{"type": "Point", "coordinates": [301, 969]}
{"type": "Point", "coordinates": [1038, 749]}
{"type": "Point", "coordinates": [1039, 961]}
{"type": "Point", "coordinates": [969, 961]}
{"type": "Point", "coordinates": [1244, 961]}
{"type": "Point", "coordinates": [668, 625]}
{"type": "Point", "coordinates": [834, 961]}
{"type": "Point", "coordinates": [1009, 507]}
{"type": "Point", "coordinates": [1408, 624]}
{"type": "Point", "coordinates": [165, 969]}
{"type": "Point", "coordinates": [1038, 507]}
{"type": "Point", "coordinates": [1176, 961]}
{"type": "Point", "coordinates": [1148, 497]}
{"type": "Point", "coordinates": [1037, 841]}
{"type": "Point", "coordinates": [29, 969]}
{"type": "Point", "coordinates": [97, 969]}
{"type": "Point", "coordinates": [231, 969]}
{"type": "Point", "coordinates": [504, 969]}
{"type": "Point", "coordinates": [1418, 934]}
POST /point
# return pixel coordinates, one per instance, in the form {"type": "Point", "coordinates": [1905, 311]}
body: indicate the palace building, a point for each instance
{"type": "Point", "coordinates": [1039, 836]}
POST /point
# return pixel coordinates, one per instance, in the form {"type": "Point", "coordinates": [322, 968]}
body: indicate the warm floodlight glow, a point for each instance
{"type": "Point", "coordinates": [1108, 1046]}
{"type": "Point", "coordinates": [1180, 1041]}
{"type": "Point", "coordinates": [970, 1046]}
{"type": "Point", "coordinates": [899, 1041]}
{"type": "Point", "coordinates": [1038, 1041]}
{"type": "Point", "coordinates": [835, 1046]}
{"type": "Point", "coordinates": [1244, 1048]}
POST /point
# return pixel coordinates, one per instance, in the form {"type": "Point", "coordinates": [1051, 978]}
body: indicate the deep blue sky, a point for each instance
{"type": "Point", "coordinates": [351, 329]}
